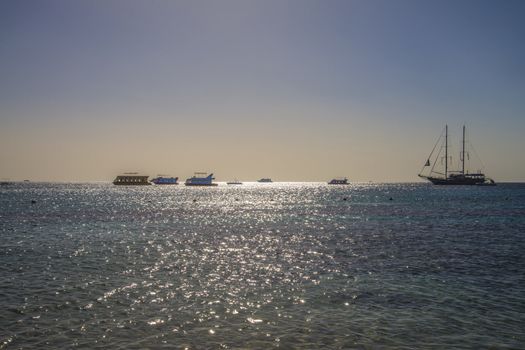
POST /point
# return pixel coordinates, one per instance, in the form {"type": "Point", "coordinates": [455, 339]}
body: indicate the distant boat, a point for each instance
{"type": "Point", "coordinates": [339, 181]}
{"type": "Point", "coordinates": [446, 176]}
{"type": "Point", "coordinates": [163, 180]}
{"type": "Point", "coordinates": [200, 179]}
{"type": "Point", "coordinates": [234, 182]}
{"type": "Point", "coordinates": [265, 179]}
{"type": "Point", "coordinates": [131, 179]}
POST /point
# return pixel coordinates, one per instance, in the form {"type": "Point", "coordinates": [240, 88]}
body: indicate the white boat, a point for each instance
{"type": "Point", "coordinates": [200, 179]}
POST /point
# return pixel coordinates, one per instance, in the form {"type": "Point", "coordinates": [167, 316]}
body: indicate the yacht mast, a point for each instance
{"type": "Point", "coordinates": [446, 152]}
{"type": "Point", "coordinates": [463, 153]}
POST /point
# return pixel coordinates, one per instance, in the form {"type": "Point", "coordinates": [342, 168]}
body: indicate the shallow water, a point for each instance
{"type": "Point", "coordinates": [282, 265]}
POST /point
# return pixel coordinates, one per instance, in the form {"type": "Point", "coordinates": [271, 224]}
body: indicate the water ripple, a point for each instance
{"type": "Point", "coordinates": [274, 266]}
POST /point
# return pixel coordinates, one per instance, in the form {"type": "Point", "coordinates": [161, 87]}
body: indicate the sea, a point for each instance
{"type": "Point", "coordinates": [262, 266]}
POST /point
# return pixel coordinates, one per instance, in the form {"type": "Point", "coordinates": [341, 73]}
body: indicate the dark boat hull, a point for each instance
{"type": "Point", "coordinates": [462, 181]}
{"type": "Point", "coordinates": [131, 180]}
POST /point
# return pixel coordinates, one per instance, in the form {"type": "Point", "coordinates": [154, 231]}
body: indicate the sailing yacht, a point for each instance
{"type": "Point", "coordinates": [447, 176]}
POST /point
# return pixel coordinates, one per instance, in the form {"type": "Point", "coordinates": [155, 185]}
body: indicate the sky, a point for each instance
{"type": "Point", "coordinates": [293, 90]}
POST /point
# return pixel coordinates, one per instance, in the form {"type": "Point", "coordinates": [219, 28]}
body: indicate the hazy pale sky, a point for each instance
{"type": "Point", "coordinates": [292, 90]}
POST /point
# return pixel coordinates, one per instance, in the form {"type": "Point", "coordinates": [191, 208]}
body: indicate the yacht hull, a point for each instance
{"type": "Point", "coordinates": [464, 181]}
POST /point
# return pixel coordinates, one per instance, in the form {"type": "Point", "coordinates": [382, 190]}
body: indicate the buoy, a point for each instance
{"type": "Point", "coordinates": [344, 198]}
{"type": "Point", "coordinates": [390, 199]}
{"type": "Point", "coordinates": [33, 202]}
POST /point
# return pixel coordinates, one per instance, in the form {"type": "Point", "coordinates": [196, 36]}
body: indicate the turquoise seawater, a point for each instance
{"type": "Point", "coordinates": [261, 266]}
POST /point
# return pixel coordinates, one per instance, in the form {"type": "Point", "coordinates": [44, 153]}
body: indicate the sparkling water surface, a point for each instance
{"type": "Point", "coordinates": [260, 266]}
